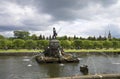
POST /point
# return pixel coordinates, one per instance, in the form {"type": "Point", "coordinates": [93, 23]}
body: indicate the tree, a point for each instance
{"type": "Point", "coordinates": [30, 44]}
{"type": "Point", "coordinates": [43, 37]}
{"type": "Point", "coordinates": [40, 37]}
{"type": "Point", "coordinates": [50, 37]}
{"type": "Point", "coordinates": [115, 44]}
{"type": "Point", "coordinates": [2, 37]}
{"type": "Point", "coordinates": [75, 37]}
{"type": "Point", "coordinates": [3, 44]}
{"type": "Point", "coordinates": [9, 44]}
{"type": "Point", "coordinates": [91, 38]}
{"type": "Point", "coordinates": [87, 44]}
{"type": "Point", "coordinates": [21, 34]}
{"type": "Point", "coordinates": [42, 44]}
{"type": "Point", "coordinates": [78, 44]}
{"type": "Point", "coordinates": [34, 37]}
{"type": "Point", "coordinates": [65, 44]}
{"type": "Point", "coordinates": [18, 43]}
{"type": "Point", "coordinates": [62, 38]}
{"type": "Point", "coordinates": [107, 44]}
{"type": "Point", "coordinates": [99, 38]}
{"type": "Point", "coordinates": [98, 44]}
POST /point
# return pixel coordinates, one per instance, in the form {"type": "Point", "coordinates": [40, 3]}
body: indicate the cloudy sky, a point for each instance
{"type": "Point", "coordinates": [69, 17]}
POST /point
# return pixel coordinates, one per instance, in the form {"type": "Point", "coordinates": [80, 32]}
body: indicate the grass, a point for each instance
{"type": "Point", "coordinates": [93, 50]}
{"type": "Point", "coordinates": [66, 50]}
{"type": "Point", "coordinates": [19, 51]}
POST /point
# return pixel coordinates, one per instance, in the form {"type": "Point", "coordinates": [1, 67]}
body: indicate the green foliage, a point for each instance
{"type": "Point", "coordinates": [18, 43]}
{"type": "Point", "coordinates": [3, 44]}
{"type": "Point", "coordinates": [115, 44]}
{"type": "Point", "coordinates": [97, 44]}
{"type": "Point", "coordinates": [107, 44]}
{"type": "Point", "coordinates": [34, 37]}
{"type": "Point", "coordinates": [21, 34]}
{"type": "Point", "coordinates": [91, 38]}
{"type": "Point", "coordinates": [42, 44]}
{"type": "Point", "coordinates": [65, 44]}
{"type": "Point", "coordinates": [87, 44]}
{"type": "Point", "coordinates": [22, 40]}
{"type": "Point", "coordinates": [62, 38]}
{"type": "Point", "coordinates": [78, 44]}
{"type": "Point", "coordinates": [30, 44]}
{"type": "Point", "coordinates": [9, 44]}
{"type": "Point", "coordinates": [2, 37]}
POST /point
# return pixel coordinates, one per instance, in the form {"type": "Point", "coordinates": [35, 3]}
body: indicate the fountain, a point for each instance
{"type": "Point", "coordinates": [84, 69]}
{"type": "Point", "coordinates": [54, 53]}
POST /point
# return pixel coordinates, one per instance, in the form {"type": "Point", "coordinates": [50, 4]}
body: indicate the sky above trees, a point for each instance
{"type": "Point", "coordinates": [69, 17]}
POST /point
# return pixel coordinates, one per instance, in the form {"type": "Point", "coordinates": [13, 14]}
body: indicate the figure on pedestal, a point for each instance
{"type": "Point", "coordinates": [54, 33]}
{"type": "Point", "coordinates": [54, 53]}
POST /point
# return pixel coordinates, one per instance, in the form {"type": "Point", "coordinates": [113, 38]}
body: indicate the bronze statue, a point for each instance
{"type": "Point", "coordinates": [54, 34]}
{"type": "Point", "coordinates": [54, 53]}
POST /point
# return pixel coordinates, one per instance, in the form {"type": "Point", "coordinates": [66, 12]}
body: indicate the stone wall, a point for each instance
{"type": "Point", "coordinates": [102, 76]}
{"type": "Point", "coordinates": [19, 54]}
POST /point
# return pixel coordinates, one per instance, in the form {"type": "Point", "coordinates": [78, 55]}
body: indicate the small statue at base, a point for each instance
{"type": "Point", "coordinates": [84, 69]}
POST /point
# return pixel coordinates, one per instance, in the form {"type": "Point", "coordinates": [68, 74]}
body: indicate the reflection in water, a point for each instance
{"type": "Point", "coordinates": [27, 68]}
{"type": "Point", "coordinates": [53, 70]}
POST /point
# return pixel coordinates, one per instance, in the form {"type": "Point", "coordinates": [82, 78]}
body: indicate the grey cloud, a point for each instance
{"type": "Point", "coordinates": [107, 3]}
{"type": "Point", "coordinates": [59, 10]}
{"type": "Point", "coordinates": [26, 28]}
{"type": "Point", "coordinates": [114, 29]}
{"type": "Point", "coordinates": [64, 9]}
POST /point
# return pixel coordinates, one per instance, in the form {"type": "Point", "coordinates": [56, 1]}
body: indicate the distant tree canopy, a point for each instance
{"type": "Point", "coordinates": [2, 37]}
{"type": "Point", "coordinates": [21, 34]}
{"type": "Point", "coordinates": [18, 43]}
{"type": "Point", "coordinates": [30, 44]}
{"type": "Point", "coordinates": [23, 40]}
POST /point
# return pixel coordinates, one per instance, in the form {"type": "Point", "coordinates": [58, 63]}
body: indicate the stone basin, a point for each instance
{"type": "Point", "coordinates": [41, 59]}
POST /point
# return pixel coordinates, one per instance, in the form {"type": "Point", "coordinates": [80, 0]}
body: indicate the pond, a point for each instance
{"type": "Point", "coordinates": [25, 67]}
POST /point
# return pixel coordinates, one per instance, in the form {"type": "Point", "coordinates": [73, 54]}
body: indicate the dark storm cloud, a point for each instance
{"type": "Point", "coordinates": [38, 15]}
{"type": "Point", "coordinates": [70, 9]}
{"type": "Point", "coordinates": [64, 9]}
{"type": "Point", "coordinates": [25, 28]}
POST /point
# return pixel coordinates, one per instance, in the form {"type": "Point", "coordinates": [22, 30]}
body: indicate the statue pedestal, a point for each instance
{"type": "Point", "coordinates": [54, 54]}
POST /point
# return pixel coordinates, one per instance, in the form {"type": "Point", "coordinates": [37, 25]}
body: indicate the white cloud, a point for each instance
{"type": "Point", "coordinates": [13, 14]}
{"type": "Point", "coordinates": [86, 18]}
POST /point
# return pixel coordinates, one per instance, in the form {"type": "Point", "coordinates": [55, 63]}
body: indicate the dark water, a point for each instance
{"type": "Point", "coordinates": [24, 67]}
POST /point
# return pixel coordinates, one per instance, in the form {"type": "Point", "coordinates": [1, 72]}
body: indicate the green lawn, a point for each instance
{"type": "Point", "coordinates": [66, 50]}
{"type": "Point", "coordinates": [19, 51]}
{"type": "Point", "coordinates": [93, 50]}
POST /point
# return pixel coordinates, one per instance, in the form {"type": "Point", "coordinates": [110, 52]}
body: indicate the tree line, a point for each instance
{"type": "Point", "coordinates": [23, 40]}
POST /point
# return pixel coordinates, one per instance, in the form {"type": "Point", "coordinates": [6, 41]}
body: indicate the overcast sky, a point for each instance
{"type": "Point", "coordinates": [69, 17]}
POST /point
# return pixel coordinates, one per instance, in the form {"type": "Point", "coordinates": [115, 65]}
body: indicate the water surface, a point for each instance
{"type": "Point", "coordinates": [25, 67]}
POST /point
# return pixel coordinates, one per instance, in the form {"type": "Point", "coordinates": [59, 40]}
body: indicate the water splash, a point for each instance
{"type": "Point", "coordinates": [26, 59]}
{"type": "Point", "coordinates": [93, 62]}
{"type": "Point", "coordinates": [107, 57]}
{"type": "Point", "coordinates": [62, 64]}
{"type": "Point", "coordinates": [29, 65]}
{"type": "Point", "coordinates": [80, 59]}
{"type": "Point", "coordinates": [116, 63]}
{"type": "Point", "coordinates": [95, 69]}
